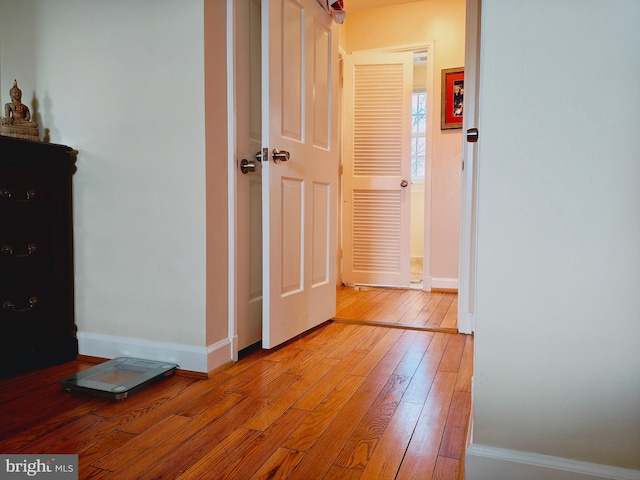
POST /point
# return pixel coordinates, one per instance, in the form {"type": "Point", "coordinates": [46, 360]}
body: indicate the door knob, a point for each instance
{"type": "Point", "coordinates": [246, 166]}
{"type": "Point", "coordinates": [280, 155]}
{"type": "Point", "coordinates": [404, 183]}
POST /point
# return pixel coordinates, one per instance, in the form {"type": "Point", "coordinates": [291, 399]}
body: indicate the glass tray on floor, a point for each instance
{"type": "Point", "coordinates": [119, 377]}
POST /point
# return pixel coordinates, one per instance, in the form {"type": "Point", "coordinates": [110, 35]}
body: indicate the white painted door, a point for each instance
{"type": "Point", "coordinates": [377, 168]}
{"type": "Point", "coordinates": [248, 108]}
{"type": "Point", "coordinates": [299, 86]}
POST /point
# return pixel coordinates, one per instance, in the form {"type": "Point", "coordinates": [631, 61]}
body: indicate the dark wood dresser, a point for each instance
{"type": "Point", "coordinates": [37, 326]}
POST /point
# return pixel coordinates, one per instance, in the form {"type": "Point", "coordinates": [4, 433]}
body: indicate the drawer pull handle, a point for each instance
{"type": "Point", "coordinates": [8, 250]}
{"type": "Point", "coordinates": [9, 305]}
{"type": "Point", "coordinates": [31, 194]}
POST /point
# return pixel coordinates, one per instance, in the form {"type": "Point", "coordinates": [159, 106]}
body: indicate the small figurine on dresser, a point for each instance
{"type": "Point", "coordinates": [17, 120]}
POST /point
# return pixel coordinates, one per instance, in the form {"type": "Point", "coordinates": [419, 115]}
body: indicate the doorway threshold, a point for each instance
{"type": "Point", "coordinates": [402, 326]}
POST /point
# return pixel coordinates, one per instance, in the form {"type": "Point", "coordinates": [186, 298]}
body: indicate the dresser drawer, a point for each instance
{"type": "Point", "coordinates": [26, 304]}
{"type": "Point", "coordinates": [31, 350]}
{"type": "Point", "coordinates": [25, 197]}
{"type": "Point", "coordinates": [25, 252]}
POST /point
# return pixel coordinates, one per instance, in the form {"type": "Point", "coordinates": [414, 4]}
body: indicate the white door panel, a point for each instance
{"type": "Point", "coordinates": [299, 52]}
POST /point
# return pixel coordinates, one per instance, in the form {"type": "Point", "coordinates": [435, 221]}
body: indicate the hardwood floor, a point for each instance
{"type": "Point", "coordinates": [344, 401]}
{"type": "Point", "coordinates": [437, 311]}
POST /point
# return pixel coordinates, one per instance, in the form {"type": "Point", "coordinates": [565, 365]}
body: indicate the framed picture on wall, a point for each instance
{"type": "Point", "coordinates": [452, 98]}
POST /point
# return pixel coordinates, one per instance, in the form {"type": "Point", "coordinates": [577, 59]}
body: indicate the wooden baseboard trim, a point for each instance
{"type": "Point", "coordinates": [444, 290]}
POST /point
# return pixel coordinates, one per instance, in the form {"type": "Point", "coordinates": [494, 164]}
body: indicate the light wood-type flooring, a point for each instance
{"type": "Point", "coordinates": [344, 401]}
{"type": "Point", "coordinates": [398, 308]}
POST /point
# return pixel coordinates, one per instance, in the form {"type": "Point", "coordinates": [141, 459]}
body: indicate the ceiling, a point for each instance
{"type": "Point", "coordinates": [357, 5]}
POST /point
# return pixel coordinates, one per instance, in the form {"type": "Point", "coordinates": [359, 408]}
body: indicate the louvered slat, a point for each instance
{"type": "Point", "coordinates": [376, 231]}
{"type": "Point", "coordinates": [377, 120]}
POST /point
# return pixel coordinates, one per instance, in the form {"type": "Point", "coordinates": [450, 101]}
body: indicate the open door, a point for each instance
{"type": "Point", "coordinates": [299, 167]}
{"type": "Point", "coordinates": [377, 168]}
{"type": "Point", "coordinates": [248, 197]}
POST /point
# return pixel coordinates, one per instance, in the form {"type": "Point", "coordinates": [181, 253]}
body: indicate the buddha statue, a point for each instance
{"type": "Point", "coordinates": [17, 120]}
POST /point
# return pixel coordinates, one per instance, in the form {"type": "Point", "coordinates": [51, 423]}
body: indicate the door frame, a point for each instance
{"type": "Point", "coordinates": [469, 177]}
{"type": "Point", "coordinates": [232, 170]}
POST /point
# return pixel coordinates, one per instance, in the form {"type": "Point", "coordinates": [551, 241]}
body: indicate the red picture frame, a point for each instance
{"type": "Point", "coordinates": [452, 98]}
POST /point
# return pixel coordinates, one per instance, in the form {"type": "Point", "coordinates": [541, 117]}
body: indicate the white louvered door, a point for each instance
{"type": "Point", "coordinates": [377, 165]}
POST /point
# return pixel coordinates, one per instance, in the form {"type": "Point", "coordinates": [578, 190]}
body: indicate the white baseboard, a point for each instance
{"type": "Point", "coordinates": [188, 357]}
{"type": "Point", "coordinates": [465, 322]}
{"type": "Point", "coordinates": [490, 463]}
{"type": "Point", "coordinates": [446, 283]}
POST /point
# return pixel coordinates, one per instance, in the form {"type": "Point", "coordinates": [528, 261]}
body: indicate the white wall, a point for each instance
{"type": "Point", "coordinates": [123, 83]}
{"type": "Point", "coordinates": [557, 322]}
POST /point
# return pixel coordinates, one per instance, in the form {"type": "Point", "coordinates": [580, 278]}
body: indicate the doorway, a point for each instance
{"type": "Point", "coordinates": [387, 155]}
{"type": "Point", "coordinates": [439, 283]}
{"type": "Point", "coordinates": [401, 23]}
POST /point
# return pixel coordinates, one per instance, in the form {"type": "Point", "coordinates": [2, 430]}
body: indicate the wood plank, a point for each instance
{"type": "Point", "coordinates": [322, 454]}
{"type": "Point", "coordinates": [216, 458]}
{"type": "Point", "coordinates": [75, 435]}
{"type": "Point", "coordinates": [90, 453]}
{"type": "Point", "coordinates": [339, 473]}
{"type": "Point", "coordinates": [377, 353]}
{"type": "Point", "coordinates": [422, 318]}
{"type": "Point", "coordinates": [414, 354]}
{"type": "Point", "coordinates": [318, 420]}
{"type": "Point", "coordinates": [436, 319]}
{"type": "Point", "coordinates": [20, 431]}
{"type": "Point", "coordinates": [412, 302]}
{"type": "Point", "coordinates": [279, 405]}
{"type": "Point", "coordinates": [195, 459]}
{"type": "Point", "coordinates": [360, 446]}
{"type": "Point", "coordinates": [422, 380]}
{"type": "Point", "coordinates": [14, 387]}
{"type": "Point", "coordinates": [368, 298]}
{"type": "Point", "coordinates": [420, 459]}
{"type": "Point", "coordinates": [455, 431]}
{"type": "Point", "coordinates": [279, 465]}
{"type": "Point", "coordinates": [316, 394]}
{"type": "Point", "coordinates": [345, 348]}
{"type": "Point", "coordinates": [262, 447]}
{"type": "Point", "coordinates": [191, 401]}
{"type": "Point", "coordinates": [451, 317]}
{"type": "Point", "coordinates": [453, 354]}
{"type": "Point", "coordinates": [446, 469]}
{"type": "Point", "coordinates": [465, 373]}
{"type": "Point", "coordinates": [388, 455]}
{"type": "Point", "coordinates": [139, 444]}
